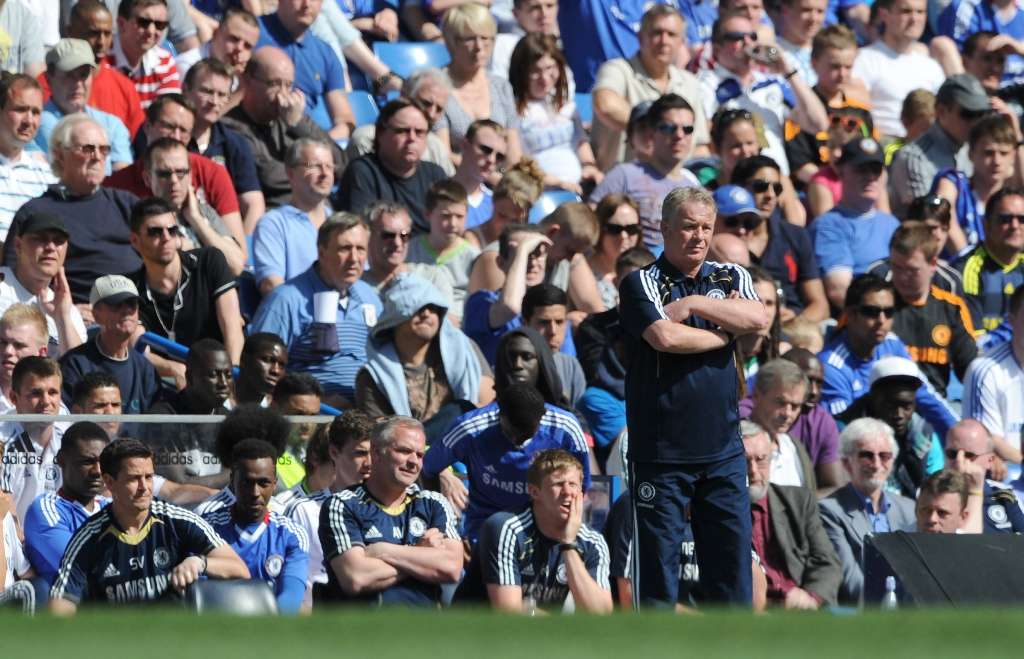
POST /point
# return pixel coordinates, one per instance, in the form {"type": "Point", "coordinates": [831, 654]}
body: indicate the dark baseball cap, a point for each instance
{"type": "Point", "coordinates": [965, 91]}
{"type": "Point", "coordinates": [637, 115]}
{"type": "Point", "coordinates": [862, 152]}
{"type": "Point", "coordinates": [39, 221]}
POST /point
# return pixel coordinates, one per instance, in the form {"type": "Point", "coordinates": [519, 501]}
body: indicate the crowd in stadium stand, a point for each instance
{"type": "Point", "coordinates": [421, 216]}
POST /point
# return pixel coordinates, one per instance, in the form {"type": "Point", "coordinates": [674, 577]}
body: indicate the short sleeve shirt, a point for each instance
{"type": "Point", "coordinates": [680, 408]}
{"type": "Point", "coordinates": [789, 257]}
{"type": "Point", "coordinates": [317, 68]}
{"type": "Point", "coordinates": [845, 241]}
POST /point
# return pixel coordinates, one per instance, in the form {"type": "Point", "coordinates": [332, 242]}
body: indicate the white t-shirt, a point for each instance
{"type": "Point", "coordinates": [15, 553]}
{"type": "Point", "coordinates": [889, 77]}
{"type": "Point", "coordinates": [304, 511]}
{"type": "Point", "coordinates": [786, 467]}
{"type": "Point", "coordinates": [11, 292]}
{"type": "Point", "coordinates": [994, 394]}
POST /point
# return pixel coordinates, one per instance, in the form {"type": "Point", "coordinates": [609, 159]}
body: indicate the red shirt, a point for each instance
{"type": "Point", "coordinates": [207, 176]}
{"type": "Point", "coordinates": [772, 560]}
{"type": "Point", "coordinates": [113, 93]}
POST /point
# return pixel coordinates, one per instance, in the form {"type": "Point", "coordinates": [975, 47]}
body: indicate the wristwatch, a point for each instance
{"type": "Point", "coordinates": [570, 546]}
{"type": "Point", "coordinates": [379, 83]}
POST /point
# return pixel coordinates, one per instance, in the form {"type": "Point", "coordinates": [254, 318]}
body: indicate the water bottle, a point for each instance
{"type": "Point", "coordinates": [889, 600]}
{"type": "Point", "coordinates": [529, 605]}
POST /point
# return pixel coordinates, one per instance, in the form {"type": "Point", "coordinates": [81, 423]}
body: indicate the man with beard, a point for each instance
{"type": "Point", "coordinates": [274, 549]}
{"type": "Point", "coordinates": [263, 362]}
{"type": "Point", "coordinates": [894, 383]}
{"type": "Point", "coordinates": [801, 567]}
{"type": "Point", "coordinates": [54, 517]}
{"type": "Point", "coordinates": [863, 507]}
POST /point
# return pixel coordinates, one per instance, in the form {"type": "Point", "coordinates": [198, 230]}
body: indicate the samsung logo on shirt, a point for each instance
{"type": "Point", "coordinates": [513, 487]}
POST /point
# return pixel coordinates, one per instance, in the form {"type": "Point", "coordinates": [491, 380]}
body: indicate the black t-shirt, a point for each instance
{"type": "Point", "coordinates": [189, 314]}
{"type": "Point", "coordinates": [366, 181]}
{"type": "Point", "coordinates": [98, 234]}
{"type": "Point", "coordinates": [789, 257]}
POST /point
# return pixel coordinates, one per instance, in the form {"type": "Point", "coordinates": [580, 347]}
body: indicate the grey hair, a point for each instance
{"type": "Point", "coordinates": [60, 138]}
{"type": "Point", "coordinates": [293, 156]}
{"type": "Point", "coordinates": [750, 429]}
{"type": "Point", "coordinates": [378, 209]}
{"type": "Point", "coordinates": [779, 372]}
{"type": "Point", "coordinates": [413, 83]}
{"type": "Point", "coordinates": [383, 433]}
{"type": "Point", "coordinates": [680, 197]}
{"type": "Point", "coordinates": [862, 429]}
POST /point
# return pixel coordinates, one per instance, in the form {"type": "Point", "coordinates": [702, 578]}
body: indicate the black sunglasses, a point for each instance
{"type": "Point", "coordinates": [156, 232]}
{"type": "Point", "coordinates": [874, 311]}
{"type": "Point", "coordinates": [748, 222]}
{"type": "Point", "coordinates": [739, 36]}
{"type": "Point", "coordinates": [760, 186]}
{"type": "Point", "coordinates": [971, 115]}
{"type": "Point", "coordinates": [628, 229]}
{"type": "Point", "coordinates": [391, 235]}
{"type": "Point", "coordinates": [144, 23]}
{"type": "Point", "coordinates": [1007, 218]}
{"type": "Point", "coordinates": [671, 129]}
{"type": "Point", "coordinates": [951, 454]}
{"type": "Point", "coordinates": [488, 150]}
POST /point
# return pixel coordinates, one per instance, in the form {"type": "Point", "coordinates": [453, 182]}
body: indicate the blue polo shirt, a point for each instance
{"type": "Point", "coordinates": [476, 324]}
{"type": "Point", "coordinates": [317, 68]}
{"type": "Point", "coordinates": [497, 467]}
{"type": "Point", "coordinates": [844, 240]}
{"type": "Point", "coordinates": [288, 312]}
{"type": "Point", "coordinates": [284, 243]}
{"type": "Point", "coordinates": [595, 31]}
{"type": "Point", "coordinates": [962, 18]}
{"type": "Point", "coordinates": [846, 380]}
{"type": "Point", "coordinates": [680, 408]}
{"type": "Point", "coordinates": [118, 136]}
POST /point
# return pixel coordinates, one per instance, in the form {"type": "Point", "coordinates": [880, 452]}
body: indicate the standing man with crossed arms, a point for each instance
{"type": "Point", "coordinates": [681, 315]}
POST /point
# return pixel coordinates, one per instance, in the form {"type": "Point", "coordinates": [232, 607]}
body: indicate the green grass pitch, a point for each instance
{"type": "Point", "coordinates": [934, 634]}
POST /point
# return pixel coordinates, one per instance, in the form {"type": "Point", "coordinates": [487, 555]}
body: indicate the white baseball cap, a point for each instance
{"type": "Point", "coordinates": [894, 367]}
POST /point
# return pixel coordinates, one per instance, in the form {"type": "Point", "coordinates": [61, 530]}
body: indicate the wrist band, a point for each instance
{"type": "Point", "coordinates": [791, 74]}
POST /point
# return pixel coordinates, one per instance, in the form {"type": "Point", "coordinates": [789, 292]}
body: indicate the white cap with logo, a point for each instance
{"type": "Point", "coordinates": [112, 289]}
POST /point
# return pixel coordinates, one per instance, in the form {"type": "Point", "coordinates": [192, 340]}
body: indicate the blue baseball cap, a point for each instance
{"type": "Point", "coordinates": [735, 200]}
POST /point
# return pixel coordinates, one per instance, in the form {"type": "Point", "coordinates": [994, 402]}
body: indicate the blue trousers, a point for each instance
{"type": "Point", "coordinates": [720, 514]}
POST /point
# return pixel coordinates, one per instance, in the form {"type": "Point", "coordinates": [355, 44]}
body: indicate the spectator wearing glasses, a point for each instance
{"type": "Point", "coordinates": [319, 77]}
{"type": "Point", "coordinates": [994, 269]}
{"type": "Point", "coordinates": [430, 88]}
{"type": "Point", "coordinates": [186, 295]}
{"type": "Point", "coordinates": [271, 116]}
{"type": "Point", "coordinates": [894, 384]}
{"type": "Point", "coordinates": [996, 161]}
{"type": "Point", "coordinates": [550, 128]}
{"type": "Point", "coordinates": [394, 171]}
{"type": "Point", "coordinates": [619, 218]}
{"type": "Point", "coordinates": [481, 167]}
{"type": "Point", "coordinates": [737, 81]}
{"type": "Point", "coordinates": [863, 507]}
{"type": "Point", "coordinates": [852, 352]}
{"type": "Point", "coordinates": [96, 217]}
{"type": "Point", "coordinates": [960, 102]}
{"type": "Point", "coordinates": [390, 235]}
{"type": "Point", "coordinates": [971, 452]}
{"type": "Point", "coordinates": [774, 193]}
{"type": "Point", "coordinates": [284, 244]}
{"type": "Point", "coordinates": [141, 27]}
{"type": "Point", "coordinates": [648, 181]}
{"type": "Point", "coordinates": [856, 233]}
{"type": "Point", "coordinates": [167, 170]}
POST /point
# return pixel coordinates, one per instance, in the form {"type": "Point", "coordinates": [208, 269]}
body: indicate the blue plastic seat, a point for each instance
{"type": "Point", "coordinates": [549, 201]}
{"type": "Point", "coordinates": [585, 106]}
{"type": "Point", "coordinates": [363, 107]}
{"type": "Point", "coordinates": [405, 57]}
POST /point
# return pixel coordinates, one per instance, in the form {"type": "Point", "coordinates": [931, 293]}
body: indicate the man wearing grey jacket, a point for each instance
{"type": "Point", "coordinates": [862, 507]}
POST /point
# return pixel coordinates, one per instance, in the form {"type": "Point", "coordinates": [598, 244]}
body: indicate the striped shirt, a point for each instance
{"type": "Point", "coordinates": [994, 393]}
{"type": "Point", "coordinates": [989, 284]}
{"type": "Point", "coordinates": [22, 178]}
{"type": "Point", "coordinates": [155, 74]}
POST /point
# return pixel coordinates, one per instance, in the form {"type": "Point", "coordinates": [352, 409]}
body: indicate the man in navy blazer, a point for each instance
{"type": "Point", "coordinates": [862, 507]}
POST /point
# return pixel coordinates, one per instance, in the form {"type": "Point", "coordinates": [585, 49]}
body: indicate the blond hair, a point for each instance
{"type": "Point", "coordinates": [548, 462]}
{"type": "Point", "coordinates": [25, 314]}
{"type": "Point", "coordinates": [470, 18]}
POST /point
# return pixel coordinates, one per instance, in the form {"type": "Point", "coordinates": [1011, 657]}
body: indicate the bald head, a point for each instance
{"type": "Point", "coordinates": [969, 436]}
{"type": "Point", "coordinates": [727, 248]}
{"type": "Point", "coordinates": [268, 74]}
